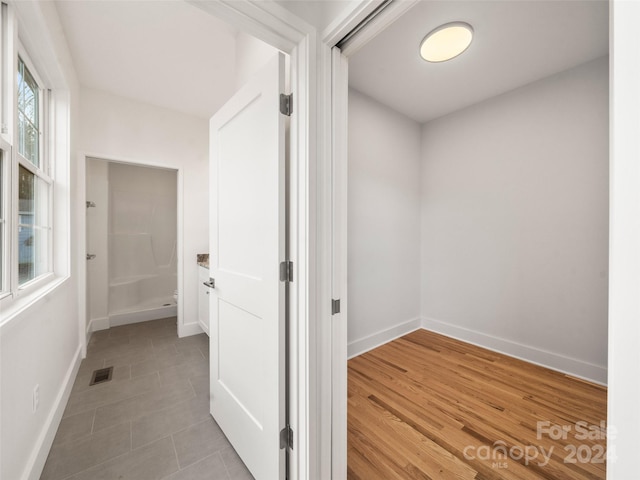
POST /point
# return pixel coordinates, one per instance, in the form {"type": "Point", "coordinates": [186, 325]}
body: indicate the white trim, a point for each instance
{"type": "Point", "coordinates": [104, 323]}
{"type": "Point", "coordinates": [346, 22]}
{"type": "Point", "coordinates": [53, 115]}
{"type": "Point", "coordinates": [8, 36]}
{"type": "Point", "coordinates": [180, 256]}
{"type": "Point", "coordinates": [19, 305]}
{"type": "Point", "coordinates": [528, 353]}
{"type": "Point", "coordinates": [82, 240]}
{"type": "Point", "coordinates": [6, 161]}
{"type": "Point", "coordinates": [332, 378]}
{"type": "Point", "coordinates": [85, 326]}
{"type": "Point", "coordinates": [323, 277]}
{"type": "Point", "coordinates": [266, 21]}
{"type": "Point", "coordinates": [375, 340]}
{"type": "Point", "coordinates": [118, 319]}
{"type": "Point", "coordinates": [339, 321]}
{"type": "Point", "coordinates": [40, 451]}
{"type": "Point", "coordinates": [342, 26]}
{"type": "Point", "coordinates": [624, 237]}
{"type": "Point", "coordinates": [189, 329]}
{"type": "Point", "coordinates": [97, 324]}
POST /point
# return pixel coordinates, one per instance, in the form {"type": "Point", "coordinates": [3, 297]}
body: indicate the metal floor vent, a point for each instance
{"type": "Point", "coordinates": [101, 375]}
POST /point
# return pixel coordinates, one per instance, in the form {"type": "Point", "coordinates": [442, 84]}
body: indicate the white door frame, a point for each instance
{"type": "Point", "coordinates": [333, 338]}
{"type": "Point", "coordinates": [278, 27]}
{"type": "Point", "coordinates": [624, 231]}
{"type": "Point", "coordinates": [83, 156]}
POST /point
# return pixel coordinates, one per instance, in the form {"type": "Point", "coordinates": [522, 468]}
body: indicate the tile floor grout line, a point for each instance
{"type": "Point", "coordinates": [160, 411]}
{"type": "Point", "coordinates": [93, 420]}
{"type": "Point", "coordinates": [193, 425]}
{"type": "Point", "coordinates": [95, 465]}
{"type": "Point", "coordinates": [175, 451]}
{"type": "Point", "coordinates": [195, 394]}
{"type": "Point", "coordinates": [225, 464]}
{"type": "Point", "coordinates": [122, 400]}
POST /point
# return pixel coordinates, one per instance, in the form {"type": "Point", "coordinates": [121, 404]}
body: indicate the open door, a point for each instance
{"type": "Point", "coordinates": [247, 245]}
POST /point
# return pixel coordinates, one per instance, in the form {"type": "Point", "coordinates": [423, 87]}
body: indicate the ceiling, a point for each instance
{"type": "Point", "coordinates": [167, 53]}
{"type": "Point", "coordinates": [516, 42]}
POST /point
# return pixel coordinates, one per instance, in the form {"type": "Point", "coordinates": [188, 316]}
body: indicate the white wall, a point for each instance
{"type": "Point", "coordinates": [384, 223]}
{"type": "Point", "coordinates": [115, 128]}
{"type": "Point", "coordinates": [515, 222]}
{"type": "Point", "coordinates": [40, 344]}
{"type": "Point", "coordinates": [97, 175]}
{"type": "Point", "coordinates": [319, 13]}
{"type": "Point", "coordinates": [251, 55]}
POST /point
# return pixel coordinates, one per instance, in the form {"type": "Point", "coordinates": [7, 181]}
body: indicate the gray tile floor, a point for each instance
{"type": "Point", "coordinates": [151, 421]}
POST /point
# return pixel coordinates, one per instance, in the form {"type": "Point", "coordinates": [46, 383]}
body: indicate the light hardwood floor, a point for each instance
{"type": "Point", "coordinates": [427, 406]}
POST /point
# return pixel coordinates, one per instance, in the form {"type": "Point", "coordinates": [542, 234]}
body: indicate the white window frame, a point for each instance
{"type": "Point", "coordinates": [6, 36]}
{"type": "Point", "coordinates": [42, 172]}
{"type": "Point", "coordinates": [13, 295]}
{"type": "Point", "coordinates": [6, 159]}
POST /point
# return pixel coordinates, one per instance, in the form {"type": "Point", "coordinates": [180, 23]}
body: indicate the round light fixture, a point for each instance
{"type": "Point", "coordinates": [446, 42]}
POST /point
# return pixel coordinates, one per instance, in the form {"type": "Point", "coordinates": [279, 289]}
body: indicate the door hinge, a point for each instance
{"type": "Point", "coordinates": [335, 306]}
{"type": "Point", "coordinates": [286, 271]}
{"type": "Point", "coordinates": [286, 104]}
{"type": "Point", "coordinates": [286, 438]}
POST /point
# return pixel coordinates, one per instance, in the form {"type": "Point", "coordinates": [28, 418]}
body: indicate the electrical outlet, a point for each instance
{"type": "Point", "coordinates": [36, 398]}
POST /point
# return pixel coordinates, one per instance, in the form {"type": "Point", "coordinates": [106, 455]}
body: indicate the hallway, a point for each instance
{"type": "Point", "coordinates": [151, 421]}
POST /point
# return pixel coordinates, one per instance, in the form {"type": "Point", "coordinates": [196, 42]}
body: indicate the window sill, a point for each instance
{"type": "Point", "coordinates": [12, 307]}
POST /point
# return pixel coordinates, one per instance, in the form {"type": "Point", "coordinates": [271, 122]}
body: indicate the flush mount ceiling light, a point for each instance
{"type": "Point", "coordinates": [446, 42]}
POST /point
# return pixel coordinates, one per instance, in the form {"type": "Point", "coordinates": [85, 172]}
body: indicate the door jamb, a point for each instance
{"type": "Point", "coordinates": [283, 30]}
{"type": "Point", "coordinates": [83, 157]}
{"type": "Point", "coordinates": [335, 64]}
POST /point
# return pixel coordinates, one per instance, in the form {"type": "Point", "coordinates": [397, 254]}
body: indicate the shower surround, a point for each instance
{"type": "Point", "coordinates": [141, 261]}
{"type": "Point", "coordinates": [142, 243]}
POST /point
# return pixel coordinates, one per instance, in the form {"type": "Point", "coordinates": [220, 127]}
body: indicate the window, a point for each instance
{"type": "Point", "coordinates": [33, 181]}
{"type": "Point", "coordinates": [26, 183]}
{"type": "Point", "coordinates": [28, 115]}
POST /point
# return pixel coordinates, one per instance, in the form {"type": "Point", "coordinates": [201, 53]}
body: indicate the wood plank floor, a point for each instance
{"type": "Point", "coordinates": [427, 406]}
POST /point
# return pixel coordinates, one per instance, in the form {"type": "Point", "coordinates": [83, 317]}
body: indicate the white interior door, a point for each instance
{"type": "Point", "coordinates": [247, 244]}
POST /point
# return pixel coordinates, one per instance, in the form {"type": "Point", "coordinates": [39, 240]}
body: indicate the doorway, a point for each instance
{"type": "Point", "coordinates": [380, 170]}
{"type": "Point", "coordinates": [193, 216]}
{"type": "Point", "coordinates": [131, 243]}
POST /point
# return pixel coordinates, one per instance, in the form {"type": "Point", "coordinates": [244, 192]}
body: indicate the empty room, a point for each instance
{"type": "Point", "coordinates": [478, 243]}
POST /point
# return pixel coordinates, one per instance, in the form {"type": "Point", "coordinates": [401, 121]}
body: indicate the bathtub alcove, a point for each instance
{"type": "Point", "coordinates": [132, 230]}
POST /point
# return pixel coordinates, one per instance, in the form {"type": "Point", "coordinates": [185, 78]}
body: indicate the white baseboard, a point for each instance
{"type": "Point", "coordinates": [544, 358]}
{"type": "Point", "coordinates": [189, 329]}
{"type": "Point", "coordinates": [358, 347]}
{"type": "Point", "coordinates": [127, 318]}
{"type": "Point", "coordinates": [105, 323]}
{"type": "Point", "coordinates": [205, 328]}
{"type": "Point", "coordinates": [96, 324]}
{"type": "Point", "coordinates": [45, 440]}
